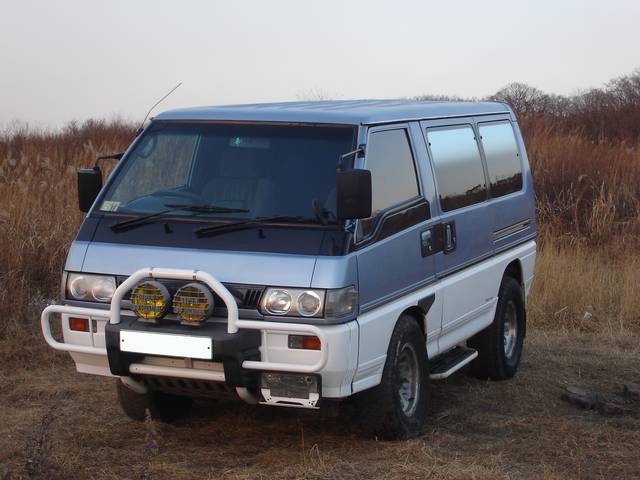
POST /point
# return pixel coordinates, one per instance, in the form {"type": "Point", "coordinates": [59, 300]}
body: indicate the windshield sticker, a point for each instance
{"type": "Point", "coordinates": [109, 206]}
{"type": "Point", "coordinates": [249, 142]}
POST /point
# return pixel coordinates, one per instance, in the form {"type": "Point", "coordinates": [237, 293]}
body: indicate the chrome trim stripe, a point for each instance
{"type": "Point", "coordinates": [511, 229]}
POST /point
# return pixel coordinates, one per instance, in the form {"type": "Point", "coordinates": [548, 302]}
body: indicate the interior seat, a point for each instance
{"type": "Point", "coordinates": [240, 182]}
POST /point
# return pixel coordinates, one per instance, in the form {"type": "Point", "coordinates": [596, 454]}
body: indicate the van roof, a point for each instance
{"type": "Point", "coordinates": [350, 112]}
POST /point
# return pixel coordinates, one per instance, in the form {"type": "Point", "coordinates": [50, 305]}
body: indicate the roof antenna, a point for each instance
{"type": "Point", "coordinates": [155, 105]}
{"type": "Point", "coordinates": [119, 155]}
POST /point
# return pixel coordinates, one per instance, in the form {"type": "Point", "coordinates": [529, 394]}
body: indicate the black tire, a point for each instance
{"type": "Point", "coordinates": [498, 358]}
{"type": "Point", "coordinates": [161, 406]}
{"type": "Point", "coordinates": [383, 411]}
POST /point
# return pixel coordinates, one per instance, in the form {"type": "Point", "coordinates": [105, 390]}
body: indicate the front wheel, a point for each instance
{"type": "Point", "coordinates": [500, 345]}
{"type": "Point", "coordinates": [398, 407]}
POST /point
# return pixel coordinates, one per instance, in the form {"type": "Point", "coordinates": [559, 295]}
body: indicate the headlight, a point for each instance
{"type": "Point", "coordinates": [294, 302]}
{"type": "Point", "coordinates": [277, 302]}
{"type": "Point", "coordinates": [309, 303]}
{"type": "Point", "coordinates": [193, 303]}
{"type": "Point", "coordinates": [150, 300]}
{"type": "Point", "coordinates": [90, 288]}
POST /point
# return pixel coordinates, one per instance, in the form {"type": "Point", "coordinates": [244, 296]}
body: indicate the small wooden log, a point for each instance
{"type": "Point", "coordinates": [579, 397]}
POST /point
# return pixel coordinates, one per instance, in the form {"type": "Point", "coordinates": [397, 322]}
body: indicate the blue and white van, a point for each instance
{"type": "Point", "coordinates": [290, 254]}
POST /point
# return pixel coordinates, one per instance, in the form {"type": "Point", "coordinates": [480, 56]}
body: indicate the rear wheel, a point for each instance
{"type": "Point", "coordinates": [500, 345]}
{"type": "Point", "coordinates": [397, 408]}
{"type": "Point", "coordinates": [161, 406]}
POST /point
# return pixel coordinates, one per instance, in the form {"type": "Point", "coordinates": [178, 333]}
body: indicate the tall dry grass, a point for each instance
{"type": "Point", "coordinates": [586, 191]}
{"type": "Point", "coordinates": [586, 288]}
{"type": "Point", "coordinates": [38, 211]}
{"type": "Point", "coordinates": [587, 199]}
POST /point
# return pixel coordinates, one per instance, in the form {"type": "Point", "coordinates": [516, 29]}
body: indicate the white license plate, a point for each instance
{"type": "Point", "coordinates": [166, 344]}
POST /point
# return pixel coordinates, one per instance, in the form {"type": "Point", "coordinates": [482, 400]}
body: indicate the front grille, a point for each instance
{"type": "Point", "coordinates": [252, 297]}
{"type": "Point", "coordinates": [246, 296]}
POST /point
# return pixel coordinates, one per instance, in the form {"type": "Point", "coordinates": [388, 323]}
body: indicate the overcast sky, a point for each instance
{"type": "Point", "coordinates": [75, 59]}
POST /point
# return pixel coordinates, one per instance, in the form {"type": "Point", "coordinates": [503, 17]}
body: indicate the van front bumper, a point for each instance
{"type": "Point", "coordinates": [243, 347]}
{"type": "Point", "coordinates": [230, 349]}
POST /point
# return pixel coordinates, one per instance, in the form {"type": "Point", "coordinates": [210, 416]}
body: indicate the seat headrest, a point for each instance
{"type": "Point", "coordinates": [238, 162]}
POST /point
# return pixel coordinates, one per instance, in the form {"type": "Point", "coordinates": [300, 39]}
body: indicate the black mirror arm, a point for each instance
{"type": "Point", "coordinates": [110, 156]}
{"type": "Point", "coordinates": [358, 152]}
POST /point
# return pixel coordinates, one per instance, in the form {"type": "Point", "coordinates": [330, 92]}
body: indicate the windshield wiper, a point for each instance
{"type": "Point", "coordinates": [207, 231]}
{"type": "Point", "coordinates": [135, 222]}
{"type": "Point", "coordinates": [323, 214]}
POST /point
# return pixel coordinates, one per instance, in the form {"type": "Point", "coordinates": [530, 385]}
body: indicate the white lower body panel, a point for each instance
{"type": "Point", "coordinates": [464, 301]}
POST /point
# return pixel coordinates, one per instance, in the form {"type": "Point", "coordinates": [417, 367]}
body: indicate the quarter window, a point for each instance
{"type": "Point", "coordinates": [503, 161]}
{"type": "Point", "coordinates": [393, 173]}
{"type": "Point", "coordinates": [458, 166]}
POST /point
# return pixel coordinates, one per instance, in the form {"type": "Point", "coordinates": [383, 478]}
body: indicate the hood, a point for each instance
{"type": "Point", "coordinates": [270, 255]}
{"type": "Point", "coordinates": [226, 266]}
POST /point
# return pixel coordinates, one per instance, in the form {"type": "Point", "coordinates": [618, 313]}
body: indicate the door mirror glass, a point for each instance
{"type": "Point", "coordinates": [89, 185]}
{"type": "Point", "coordinates": [353, 194]}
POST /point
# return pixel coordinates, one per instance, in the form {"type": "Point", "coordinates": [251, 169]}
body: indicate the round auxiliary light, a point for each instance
{"type": "Point", "coordinates": [193, 303]}
{"type": "Point", "coordinates": [308, 303]}
{"type": "Point", "coordinates": [150, 300]}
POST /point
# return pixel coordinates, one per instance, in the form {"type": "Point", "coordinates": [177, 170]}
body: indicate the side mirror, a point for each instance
{"type": "Point", "coordinates": [89, 185]}
{"type": "Point", "coordinates": [353, 194]}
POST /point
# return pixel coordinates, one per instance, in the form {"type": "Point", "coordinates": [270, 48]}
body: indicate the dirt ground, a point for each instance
{"type": "Point", "coordinates": [512, 430]}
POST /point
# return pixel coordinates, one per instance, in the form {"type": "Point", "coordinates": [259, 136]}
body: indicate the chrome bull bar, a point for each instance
{"type": "Point", "coordinates": [233, 322]}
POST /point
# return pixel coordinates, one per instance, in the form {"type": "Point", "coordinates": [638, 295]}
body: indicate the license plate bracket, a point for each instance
{"type": "Point", "coordinates": [166, 344]}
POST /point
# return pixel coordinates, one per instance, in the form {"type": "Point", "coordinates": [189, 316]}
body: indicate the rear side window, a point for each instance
{"type": "Point", "coordinates": [393, 173]}
{"type": "Point", "coordinates": [458, 166]}
{"type": "Point", "coordinates": [503, 160]}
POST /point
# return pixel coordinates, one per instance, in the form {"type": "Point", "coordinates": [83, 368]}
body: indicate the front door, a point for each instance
{"type": "Point", "coordinates": [391, 261]}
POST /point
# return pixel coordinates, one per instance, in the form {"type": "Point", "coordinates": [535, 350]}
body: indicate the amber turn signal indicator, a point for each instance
{"type": "Point", "coordinates": [79, 324]}
{"type": "Point", "coordinates": [304, 342]}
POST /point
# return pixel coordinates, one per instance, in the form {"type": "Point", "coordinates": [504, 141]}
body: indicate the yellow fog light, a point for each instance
{"type": "Point", "coordinates": [193, 303]}
{"type": "Point", "coordinates": [150, 300]}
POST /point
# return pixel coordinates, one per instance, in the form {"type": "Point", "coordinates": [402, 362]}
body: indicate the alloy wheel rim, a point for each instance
{"type": "Point", "coordinates": [408, 384]}
{"type": "Point", "coordinates": [510, 330]}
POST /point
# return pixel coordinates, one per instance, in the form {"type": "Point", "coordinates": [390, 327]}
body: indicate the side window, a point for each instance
{"type": "Point", "coordinates": [393, 173]}
{"type": "Point", "coordinates": [503, 160]}
{"type": "Point", "coordinates": [458, 166]}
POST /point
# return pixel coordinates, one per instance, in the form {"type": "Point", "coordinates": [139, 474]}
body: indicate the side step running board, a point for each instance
{"type": "Point", "coordinates": [450, 362]}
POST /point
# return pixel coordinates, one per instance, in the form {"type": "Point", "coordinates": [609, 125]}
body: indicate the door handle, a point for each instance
{"type": "Point", "coordinates": [450, 240]}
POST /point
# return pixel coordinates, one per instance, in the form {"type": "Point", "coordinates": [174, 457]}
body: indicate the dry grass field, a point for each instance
{"type": "Point", "coordinates": [584, 327]}
{"type": "Point", "coordinates": [478, 430]}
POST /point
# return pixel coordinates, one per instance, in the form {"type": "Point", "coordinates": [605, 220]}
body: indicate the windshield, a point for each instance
{"type": "Point", "coordinates": [244, 171]}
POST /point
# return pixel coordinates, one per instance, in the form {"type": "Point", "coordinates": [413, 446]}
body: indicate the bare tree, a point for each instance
{"type": "Point", "coordinates": [523, 98]}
